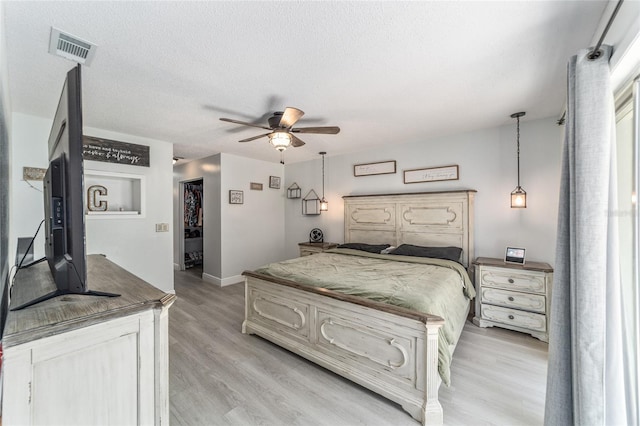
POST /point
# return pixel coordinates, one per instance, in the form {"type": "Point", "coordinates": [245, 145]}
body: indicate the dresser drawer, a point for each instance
{"type": "Point", "coordinates": [512, 299]}
{"type": "Point", "coordinates": [528, 320]}
{"type": "Point", "coordinates": [513, 279]}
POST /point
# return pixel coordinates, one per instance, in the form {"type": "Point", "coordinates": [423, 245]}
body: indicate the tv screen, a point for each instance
{"type": "Point", "coordinates": [63, 197]}
{"type": "Point", "coordinates": [63, 189]}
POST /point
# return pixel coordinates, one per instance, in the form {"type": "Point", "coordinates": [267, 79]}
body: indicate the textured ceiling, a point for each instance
{"type": "Point", "coordinates": [385, 72]}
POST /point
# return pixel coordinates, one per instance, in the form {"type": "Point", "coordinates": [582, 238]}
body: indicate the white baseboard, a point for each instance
{"type": "Point", "coordinates": [236, 279]}
{"type": "Point", "coordinates": [222, 282]}
{"type": "Point", "coordinates": [176, 267]}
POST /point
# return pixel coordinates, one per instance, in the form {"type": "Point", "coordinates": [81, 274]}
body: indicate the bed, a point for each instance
{"type": "Point", "coordinates": [396, 351]}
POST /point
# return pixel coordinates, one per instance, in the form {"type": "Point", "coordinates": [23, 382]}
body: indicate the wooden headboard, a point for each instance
{"type": "Point", "coordinates": [425, 219]}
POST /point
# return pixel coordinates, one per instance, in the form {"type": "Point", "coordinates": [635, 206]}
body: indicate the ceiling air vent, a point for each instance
{"type": "Point", "coordinates": [71, 47]}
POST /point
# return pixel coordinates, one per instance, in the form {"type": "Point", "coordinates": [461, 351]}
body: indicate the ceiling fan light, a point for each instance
{"type": "Point", "coordinates": [280, 140]}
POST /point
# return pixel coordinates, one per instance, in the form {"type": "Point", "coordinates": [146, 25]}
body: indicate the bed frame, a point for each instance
{"type": "Point", "coordinates": [390, 350]}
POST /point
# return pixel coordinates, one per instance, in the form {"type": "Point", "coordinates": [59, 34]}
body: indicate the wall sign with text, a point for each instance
{"type": "Point", "coordinates": [109, 151]}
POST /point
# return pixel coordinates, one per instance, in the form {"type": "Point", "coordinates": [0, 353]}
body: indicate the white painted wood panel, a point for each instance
{"type": "Point", "coordinates": [514, 280]}
{"type": "Point", "coordinates": [426, 219]}
{"type": "Point", "coordinates": [398, 359]}
{"type": "Point", "coordinates": [516, 318]}
{"type": "Point", "coordinates": [514, 299]}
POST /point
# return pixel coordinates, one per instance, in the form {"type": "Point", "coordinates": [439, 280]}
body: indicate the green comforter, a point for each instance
{"type": "Point", "coordinates": [433, 286]}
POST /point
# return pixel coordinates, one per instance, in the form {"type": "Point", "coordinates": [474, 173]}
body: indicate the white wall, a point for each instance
{"type": "Point", "coordinates": [487, 161]}
{"type": "Point", "coordinates": [29, 147]}
{"type": "Point", "coordinates": [134, 243]}
{"type": "Point", "coordinates": [131, 243]}
{"type": "Point", "coordinates": [253, 233]}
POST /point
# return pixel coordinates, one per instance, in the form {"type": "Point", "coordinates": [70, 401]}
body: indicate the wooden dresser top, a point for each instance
{"type": "Point", "coordinates": [68, 312]}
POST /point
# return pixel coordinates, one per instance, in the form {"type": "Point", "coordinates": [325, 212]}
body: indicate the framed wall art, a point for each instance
{"type": "Point", "coordinates": [255, 186]}
{"type": "Point", "coordinates": [381, 168]}
{"type": "Point", "coordinates": [431, 174]}
{"type": "Point", "coordinates": [274, 182]}
{"type": "Point", "coordinates": [236, 197]}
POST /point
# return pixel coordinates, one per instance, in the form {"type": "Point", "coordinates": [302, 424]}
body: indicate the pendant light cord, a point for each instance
{"type": "Point", "coordinates": [323, 176]}
{"type": "Point", "coordinates": [518, 138]}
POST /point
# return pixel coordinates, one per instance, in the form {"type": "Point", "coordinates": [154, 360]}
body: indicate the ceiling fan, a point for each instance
{"type": "Point", "coordinates": [281, 131]}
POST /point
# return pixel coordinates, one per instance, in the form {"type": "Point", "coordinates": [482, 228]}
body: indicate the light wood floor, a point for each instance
{"type": "Point", "coordinates": [218, 376]}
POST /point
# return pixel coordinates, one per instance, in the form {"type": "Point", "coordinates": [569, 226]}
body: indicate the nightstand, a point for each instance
{"type": "Point", "coordinates": [513, 296]}
{"type": "Point", "coordinates": [312, 248]}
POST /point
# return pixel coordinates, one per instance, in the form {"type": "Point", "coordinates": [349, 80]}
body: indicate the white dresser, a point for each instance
{"type": "Point", "coordinates": [513, 296]}
{"type": "Point", "coordinates": [87, 360]}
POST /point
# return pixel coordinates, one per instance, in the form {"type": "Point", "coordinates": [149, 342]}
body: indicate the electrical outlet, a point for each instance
{"type": "Point", "coordinates": [162, 227]}
{"type": "Point", "coordinates": [33, 173]}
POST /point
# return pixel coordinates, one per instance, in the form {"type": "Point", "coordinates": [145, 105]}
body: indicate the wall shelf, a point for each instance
{"type": "Point", "coordinates": [125, 194]}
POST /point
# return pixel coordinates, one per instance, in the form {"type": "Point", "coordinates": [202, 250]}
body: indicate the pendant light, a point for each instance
{"type": "Point", "coordinates": [324, 205]}
{"type": "Point", "coordinates": [518, 195]}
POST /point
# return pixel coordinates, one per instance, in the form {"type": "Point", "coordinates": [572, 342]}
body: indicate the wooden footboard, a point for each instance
{"type": "Point", "coordinates": [390, 350]}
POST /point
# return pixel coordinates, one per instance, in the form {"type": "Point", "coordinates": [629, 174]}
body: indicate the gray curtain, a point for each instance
{"type": "Point", "coordinates": [585, 368]}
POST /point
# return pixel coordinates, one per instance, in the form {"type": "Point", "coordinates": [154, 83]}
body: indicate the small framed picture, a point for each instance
{"type": "Point", "coordinates": [514, 255]}
{"type": "Point", "coordinates": [236, 197]}
{"type": "Point", "coordinates": [255, 186]}
{"type": "Point", "coordinates": [274, 182]}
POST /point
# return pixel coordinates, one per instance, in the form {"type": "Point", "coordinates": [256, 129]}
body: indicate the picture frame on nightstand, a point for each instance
{"type": "Point", "coordinates": [515, 255]}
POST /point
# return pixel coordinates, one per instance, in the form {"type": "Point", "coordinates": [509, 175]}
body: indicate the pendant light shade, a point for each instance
{"type": "Point", "coordinates": [518, 195]}
{"type": "Point", "coordinates": [518, 198]}
{"type": "Point", "coordinates": [324, 205]}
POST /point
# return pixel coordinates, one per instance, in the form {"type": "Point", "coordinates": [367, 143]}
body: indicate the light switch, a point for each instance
{"type": "Point", "coordinates": [162, 227]}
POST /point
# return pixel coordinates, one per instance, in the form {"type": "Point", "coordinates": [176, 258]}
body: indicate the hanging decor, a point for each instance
{"type": "Point", "coordinates": [518, 195]}
{"type": "Point", "coordinates": [324, 205]}
{"type": "Point", "coordinates": [311, 203]}
{"type": "Point", "coordinates": [294, 191]}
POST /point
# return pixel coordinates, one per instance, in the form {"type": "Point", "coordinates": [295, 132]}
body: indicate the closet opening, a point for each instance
{"type": "Point", "coordinates": [192, 253]}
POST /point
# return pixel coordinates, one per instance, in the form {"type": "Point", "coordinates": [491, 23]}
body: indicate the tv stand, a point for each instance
{"type": "Point", "coordinates": [110, 354]}
{"type": "Point", "coordinates": [57, 293]}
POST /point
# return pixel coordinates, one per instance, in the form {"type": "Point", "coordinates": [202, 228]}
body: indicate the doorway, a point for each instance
{"type": "Point", "coordinates": [192, 247]}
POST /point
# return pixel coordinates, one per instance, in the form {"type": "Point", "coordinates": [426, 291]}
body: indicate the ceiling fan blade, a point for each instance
{"type": "Point", "coordinates": [254, 138]}
{"type": "Point", "coordinates": [328, 130]}
{"type": "Point", "coordinates": [290, 116]}
{"type": "Point", "coordinates": [244, 123]}
{"type": "Point", "coordinates": [296, 141]}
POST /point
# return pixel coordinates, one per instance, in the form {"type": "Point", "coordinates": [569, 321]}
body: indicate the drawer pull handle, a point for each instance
{"type": "Point", "coordinates": [511, 317]}
{"type": "Point", "coordinates": [511, 299]}
{"type": "Point", "coordinates": [510, 280]}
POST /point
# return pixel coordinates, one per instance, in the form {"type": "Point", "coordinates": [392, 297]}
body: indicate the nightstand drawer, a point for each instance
{"type": "Point", "coordinates": [512, 299]}
{"type": "Point", "coordinates": [528, 320]}
{"type": "Point", "coordinates": [308, 251]}
{"type": "Point", "coordinates": [514, 279]}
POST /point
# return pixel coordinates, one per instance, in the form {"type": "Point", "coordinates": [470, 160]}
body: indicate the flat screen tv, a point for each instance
{"type": "Point", "coordinates": [63, 197]}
